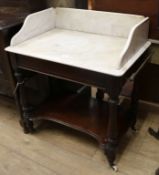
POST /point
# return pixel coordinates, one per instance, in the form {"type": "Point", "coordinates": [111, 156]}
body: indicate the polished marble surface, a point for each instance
{"type": "Point", "coordinates": [74, 37]}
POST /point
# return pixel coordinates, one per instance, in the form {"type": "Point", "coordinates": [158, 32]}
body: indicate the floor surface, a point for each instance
{"type": "Point", "coordinates": [56, 150]}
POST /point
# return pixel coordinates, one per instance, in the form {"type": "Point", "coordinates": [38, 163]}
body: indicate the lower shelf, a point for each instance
{"type": "Point", "coordinates": [83, 113]}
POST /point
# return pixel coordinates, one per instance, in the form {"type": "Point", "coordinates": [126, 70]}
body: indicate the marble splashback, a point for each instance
{"type": "Point", "coordinates": [62, 3]}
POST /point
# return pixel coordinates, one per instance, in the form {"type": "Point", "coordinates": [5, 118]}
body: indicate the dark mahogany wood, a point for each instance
{"type": "Point", "coordinates": [142, 7]}
{"type": "Point", "coordinates": [26, 109]}
{"type": "Point", "coordinates": [94, 117]}
{"type": "Point", "coordinates": [12, 14]}
{"type": "Point", "coordinates": [81, 112]}
{"type": "Point", "coordinates": [9, 24]}
{"type": "Point", "coordinates": [22, 5]}
{"type": "Point", "coordinates": [81, 4]}
{"type": "Point", "coordinates": [111, 84]}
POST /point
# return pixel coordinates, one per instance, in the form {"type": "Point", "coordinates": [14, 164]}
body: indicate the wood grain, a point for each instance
{"type": "Point", "coordinates": [31, 154]}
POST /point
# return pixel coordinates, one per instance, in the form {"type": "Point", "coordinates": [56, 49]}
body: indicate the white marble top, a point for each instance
{"type": "Point", "coordinates": [53, 35]}
{"type": "Point", "coordinates": [88, 51]}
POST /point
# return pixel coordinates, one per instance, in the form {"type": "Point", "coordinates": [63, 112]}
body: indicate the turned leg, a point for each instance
{"type": "Point", "coordinates": [25, 121]}
{"type": "Point", "coordinates": [112, 133]}
{"type": "Point", "coordinates": [25, 109]}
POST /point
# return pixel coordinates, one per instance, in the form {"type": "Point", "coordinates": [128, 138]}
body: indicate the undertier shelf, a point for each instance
{"type": "Point", "coordinates": [82, 113]}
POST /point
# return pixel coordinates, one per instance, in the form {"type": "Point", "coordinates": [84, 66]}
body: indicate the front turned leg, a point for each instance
{"type": "Point", "coordinates": [21, 98]}
{"type": "Point", "coordinates": [26, 122]}
{"type": "Point", "coordinates": [112, 133]}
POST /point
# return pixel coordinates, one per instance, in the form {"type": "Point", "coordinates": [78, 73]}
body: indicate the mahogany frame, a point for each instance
{"type": "Point", "coordinates": [109, 135]}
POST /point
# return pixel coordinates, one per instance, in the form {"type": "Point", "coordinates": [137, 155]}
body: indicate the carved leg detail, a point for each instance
{"type": "Point", "coordinates": [110, 152]}
{"type": "Point", "coordinates": [26, 123]}
{"type": "Point", "coordinates": [112, 133]}
{"type": "Point", "coordinates": [25, 109]}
